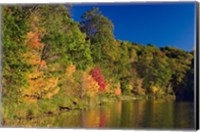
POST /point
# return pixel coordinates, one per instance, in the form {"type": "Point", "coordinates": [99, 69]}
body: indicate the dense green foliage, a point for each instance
{"type": "Point", "coordinates": [52, 63]}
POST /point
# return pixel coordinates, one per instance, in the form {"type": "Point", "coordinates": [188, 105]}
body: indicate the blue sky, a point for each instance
{"type": "Point", "coordinates": [160, 24]}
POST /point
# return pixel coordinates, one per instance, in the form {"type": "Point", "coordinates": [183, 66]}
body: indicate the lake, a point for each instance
{"type": "Point", "coordinates": [140, 114]}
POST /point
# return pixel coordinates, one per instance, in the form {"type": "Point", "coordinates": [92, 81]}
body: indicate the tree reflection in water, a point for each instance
{"type": "Point", "coordinates": [152, 114]}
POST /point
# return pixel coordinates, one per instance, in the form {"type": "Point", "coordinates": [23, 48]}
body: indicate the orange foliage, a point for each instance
{"type": "Point", "coordinates": [107, 88]}
{"type": "Point", "coordinates": [33, 40]}
{"type": "Point", "coordinates": [89, 85]}
{"type": "Point", "coordinates": [118, 90]}
{"type": "Point", "coordinates": [70, 70]}
{"type": "Point", "coordinates": [39, 86]}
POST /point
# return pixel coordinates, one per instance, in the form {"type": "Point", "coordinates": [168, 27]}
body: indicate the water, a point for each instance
{"type": "Point", "coordinates": [153, 114]}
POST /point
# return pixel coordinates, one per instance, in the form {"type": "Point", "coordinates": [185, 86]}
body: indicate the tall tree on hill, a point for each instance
{"type": "Point", "coordinates": [99, 30]}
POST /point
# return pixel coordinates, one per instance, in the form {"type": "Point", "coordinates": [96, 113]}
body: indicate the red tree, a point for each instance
{"type": "Point", "coordinates": [98, 77]}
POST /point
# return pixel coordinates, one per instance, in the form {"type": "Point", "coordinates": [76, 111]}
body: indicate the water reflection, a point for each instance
{"type": "Point", "coordinates": [70, 119]}
{"type": "Point", "coordinates": [131, 114]}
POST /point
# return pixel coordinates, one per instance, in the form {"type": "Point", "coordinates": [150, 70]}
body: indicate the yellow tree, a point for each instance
{"type": "Point", "coordinates": [40, 85]}
{"type": "Point", "coordinates": [89, 86]}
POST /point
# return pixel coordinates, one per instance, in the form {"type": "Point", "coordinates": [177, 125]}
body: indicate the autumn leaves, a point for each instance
{"type": "Point", "coordinates": [40, 85]}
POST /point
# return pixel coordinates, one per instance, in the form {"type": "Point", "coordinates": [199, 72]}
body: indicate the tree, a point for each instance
{"type": "Point", "coordinates": [99, 31]}
{"type": "Point", "coordinates": [64, 42]}
{"type": "Point", "coordinates": [40, 85]}
{"type": "Point", "coordinates": [93, 22]}
{"type": "Point", "coordinates": [154, 67]}
{"type": "Point", "coordinates": [15, 27]}
{"type": "Point", "coordinates": [98, 77]}
{"type": "Point", "coordinates": [183, 74]}
{"type": "Point", "coordinates": [122, 67]}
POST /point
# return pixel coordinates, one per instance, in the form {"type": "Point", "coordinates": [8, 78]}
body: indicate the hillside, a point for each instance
{"type": "Point", "coordinates": [51, 63]}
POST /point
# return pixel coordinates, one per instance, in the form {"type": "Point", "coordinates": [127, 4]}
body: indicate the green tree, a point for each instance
{"type": "Point", "coordinates": [154, 67]}
{"type": "Point", "coordinates": [183, 75]}
{"type": "Point", "coordinates": [65, 44]}
{"type": "Point", "coordinates": [99, 30]}
{"type": "Point", "coordinates": [14, 28]}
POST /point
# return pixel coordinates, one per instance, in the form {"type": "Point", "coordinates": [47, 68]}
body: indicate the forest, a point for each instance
{"type": "Point", "coordinates": [52, 63]}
